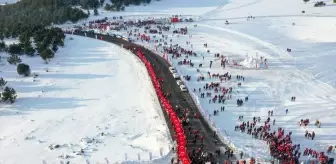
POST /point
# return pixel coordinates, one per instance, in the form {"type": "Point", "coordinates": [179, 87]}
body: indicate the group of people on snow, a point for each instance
{"type": "Point", "coordinates": [280, 144]}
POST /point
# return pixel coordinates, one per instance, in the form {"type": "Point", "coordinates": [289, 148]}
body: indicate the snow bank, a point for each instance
{"type": "Point", "coordinates": [95, 102]}
{"type": "Point", "coordinates": [3, 2]}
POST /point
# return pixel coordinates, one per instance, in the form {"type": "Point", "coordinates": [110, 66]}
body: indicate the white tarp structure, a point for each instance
{"type": "Point", "coordinates": [250, 62]}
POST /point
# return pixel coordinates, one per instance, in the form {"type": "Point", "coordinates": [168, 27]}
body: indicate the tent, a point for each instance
{"type": "Point", "coordinates": [174, 20]}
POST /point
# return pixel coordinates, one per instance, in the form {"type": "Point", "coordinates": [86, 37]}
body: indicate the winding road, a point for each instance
{"type": "Point", "coordinates": [182, 99]}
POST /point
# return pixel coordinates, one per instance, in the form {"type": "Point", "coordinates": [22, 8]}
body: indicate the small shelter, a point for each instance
{"type": "Point", "coordinates": [174, 19]}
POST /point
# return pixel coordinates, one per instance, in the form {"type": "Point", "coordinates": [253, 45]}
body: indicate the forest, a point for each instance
{"type": "Point", "coordinates": [30, 13]}
{"type": "Point", "coordinates": [30, 20]}
{"type": "Point", "coordinates": [27, 14]}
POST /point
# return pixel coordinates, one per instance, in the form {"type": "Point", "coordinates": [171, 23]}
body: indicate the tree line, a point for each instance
{"type": "Point", "coordinates": [29, 13]}
{"type": "Point", "coordinates": [46, 41]}
{"type": "Point", "coordinates": [119, 5]}
{"type": "Point", "coordinates": [114, 5]}
{"type": "Point", "coordinates": [30, 20]}
{"type": "Point", "coordinates": [24, 14]}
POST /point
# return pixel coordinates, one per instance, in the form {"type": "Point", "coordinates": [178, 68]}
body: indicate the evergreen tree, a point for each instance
{"type": "Point", "coordinates": [95, 12]}
{"type": "Point", "coordinates": [14, 59]}
{"type": "Point", "coordinates": [102, 2]}
{"type": "Point", "coordinates": [108, 7]}
{"type": "Point", "coordinates": [23, 69]}
{"type": "Point", "coordinates": [40, 47]}
{"type": "Point", "coordinates": [6, 34]}
{"type": "Point", "coordinates": [47, 40]}
{"type": "Point", "coordinates": [9, 95]}
{"type": "Point", "coordinates": [27, 14]}
{"type": "Point", "coordinates": [54, 48]}
{"type": "Point", "coordinates": [24, 38]}
{"type": "Point", "coordinates": [2, 46]}
{"type": "Point", "coordinates": [15, 49]}
{"type": "Point", "coordinates": [3, 82]}
{"type": "Point", "coordinates": [29, 50]}
{"type": "Point", "coordinates": [47, 54]}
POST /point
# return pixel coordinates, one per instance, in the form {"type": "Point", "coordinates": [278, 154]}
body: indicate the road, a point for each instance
{"type": "Point", "coordinates": [182, 99]}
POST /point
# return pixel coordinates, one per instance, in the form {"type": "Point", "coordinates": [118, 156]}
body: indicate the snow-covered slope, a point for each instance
{"type": "Point", "coordinates": [164, 8]}
{"type": "Point", "coordinates": [3, 2]}
{"type": "Point", "coordinates": [306, 72]}
{"type": "Point", "coordinates": [95, 96]}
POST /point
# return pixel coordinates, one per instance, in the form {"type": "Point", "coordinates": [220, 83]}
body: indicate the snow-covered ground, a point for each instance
{"type": "Point", "coordinates": [3, 2]}
{"type": "Point", "coordinates": [307, 72]}
{"type": "Point", "coordinates": [95, 96]}
{"type": "Point", "coordinates": [162, 8]}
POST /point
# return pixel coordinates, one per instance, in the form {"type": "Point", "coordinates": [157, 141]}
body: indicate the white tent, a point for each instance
{"type": "Point", "coordinates": [250, 62]}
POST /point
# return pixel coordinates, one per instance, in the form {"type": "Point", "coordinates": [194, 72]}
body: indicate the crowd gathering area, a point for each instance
{"type": "Point", "coordinates": [214, 79]}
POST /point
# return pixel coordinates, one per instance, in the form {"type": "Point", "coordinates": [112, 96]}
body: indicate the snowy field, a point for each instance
{"type": "Point", "coordinates": [95, 97]}
{"type": "Point", "coordinates": [163, 8]}
{"type": "Point", "coordinates": [307, 72]}
{"type": "Point", "coordinates": [3, 2]}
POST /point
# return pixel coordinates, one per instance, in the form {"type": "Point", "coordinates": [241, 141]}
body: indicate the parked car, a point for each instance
{"type": "Point", "coordinates": [183, 88]}
{"type": "Point", "coordinates": [179, 82]}
{"type": "Point", "coordinates": [125, 38]}
{"type": "Point", "coordinates": [176, 76]}
{"type": "Point", "coordinates": [319, 4]}
{"type": "Point", "coordinates": [172, 70]}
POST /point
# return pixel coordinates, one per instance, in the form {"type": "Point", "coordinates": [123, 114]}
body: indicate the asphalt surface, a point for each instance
{"type": "Point", "coordinates": [182, 99]}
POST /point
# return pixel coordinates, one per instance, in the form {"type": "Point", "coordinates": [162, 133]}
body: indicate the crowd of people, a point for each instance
{"type": "Point", "coordinates": [280, 143]}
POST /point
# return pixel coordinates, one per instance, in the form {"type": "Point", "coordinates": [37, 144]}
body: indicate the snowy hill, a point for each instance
{"type": "Point", "coordinates": [3, 2]}
{"type": "Point", "coordinates": [306, 72]}
{"type": "Point", "coordinates": [94, 97]}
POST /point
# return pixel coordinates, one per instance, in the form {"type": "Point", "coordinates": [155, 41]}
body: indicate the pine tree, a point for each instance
{"type": "Point", "coordinates": [95, 12]}
{"type": "Point", "coordinates": [23, 38]}
{"type": "Point", "coordinates": [7, 34]}
{"type": "Point", "coordinates": [107, 7]}
{"type": "Point", "coordinates": [15, 49]}
{"type": "Point", "coordinates": [29, 50]}
{"type": "Point", "coordinates": [14, 59]}
{"type": "Point", "coordinates": [102, 2]}
{"type": "Point", "coordinates": [47, 54]}
{"type": "Point", "coordinates": [3, 82]}
{"type": "Point", "coordinates": [54, 47]}
{"type": "Point", "coordinates": [9, 94]}
{"type": "Point", "coordinates": [2, 46]}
